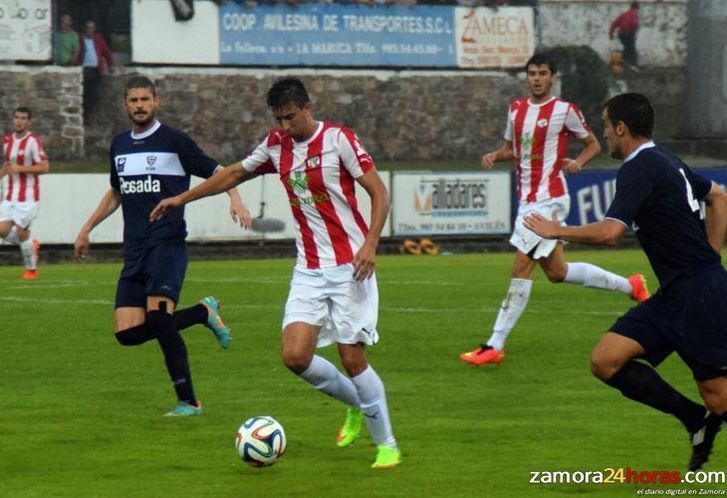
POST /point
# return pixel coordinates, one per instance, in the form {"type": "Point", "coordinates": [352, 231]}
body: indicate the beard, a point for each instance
{"type": "Point", "coordinates": [142, 119]}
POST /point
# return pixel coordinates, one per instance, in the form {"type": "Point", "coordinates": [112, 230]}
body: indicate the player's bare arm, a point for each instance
{"type": "Point", "coordinates": [364, 262]}
{"type": "Point", "coordinates": [109, 203]}
{"type": "Point", "coordinates": [504, 153]}
{"type": "Point", "coordinates": [38, 169]}
{"type": "Point", "coordinates": [605, 232]}
{"type": "Point", "coordinates": [716, 216]}
{"type": "Point", "coordinates": [591, 148]}
{"type": "Point", "coordinates": [226, 179]}
{"type": "Point", "coordinates": [238, 211]}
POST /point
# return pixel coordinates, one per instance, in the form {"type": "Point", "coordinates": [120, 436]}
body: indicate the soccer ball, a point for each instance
{"type": "Point", "coordinates": [260, 441]}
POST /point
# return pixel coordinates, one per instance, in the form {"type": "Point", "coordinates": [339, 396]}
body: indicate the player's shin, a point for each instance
{"type": "Point", "coordinates": [373, 404]}
{"type": "Point", "coordinates": [589, 275]}
{"type": "Point", "coordinates": [510, 310]}
{"type": "Point", "coordinates": [175, 352]}
{"type": "Point", "coordinates": [325, 377]}
{"type": "Point", "coordinates": [28, 251]}
{"type": "Point", "coordinates": [640, 382]}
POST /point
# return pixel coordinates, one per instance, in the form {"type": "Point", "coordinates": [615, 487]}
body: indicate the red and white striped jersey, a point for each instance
{"type": "Point", "coordinates": [318, 175]}
{"type": "Point", "coordinates": [25, 151]}
{"type": "Point", "coordinates": [539, 134]}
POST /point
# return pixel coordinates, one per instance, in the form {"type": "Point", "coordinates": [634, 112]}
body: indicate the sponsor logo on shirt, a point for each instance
{"type": "Point", "coordinates": [145, 186]}
{"type": "Point", "coordinates": [299, 182]}
{"type": "Point", "coordinates": [120, 162]}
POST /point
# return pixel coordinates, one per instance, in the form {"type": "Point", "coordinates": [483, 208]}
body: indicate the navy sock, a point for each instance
{"type": "Point", "coordinates": [190, 316]}
{"type": "Point", "coordinates": [135, 335]}
{"type": "Point", "coordinates": [175, 352]}
{"type": "Point", "coordinates": [640, 382]}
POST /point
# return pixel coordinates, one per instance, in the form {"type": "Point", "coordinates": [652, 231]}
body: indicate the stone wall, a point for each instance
{"type": "Point", "coordinates": [54, 96]}
{"type": "Point", "coordinates": [407, 115]}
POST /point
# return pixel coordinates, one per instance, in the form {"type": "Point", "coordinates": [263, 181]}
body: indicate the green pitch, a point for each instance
{"type": "Point", "coordinates": [81, 415]}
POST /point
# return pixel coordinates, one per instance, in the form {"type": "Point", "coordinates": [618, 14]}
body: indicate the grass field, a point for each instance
{"type": "Point", "coordinates": [81, 414]}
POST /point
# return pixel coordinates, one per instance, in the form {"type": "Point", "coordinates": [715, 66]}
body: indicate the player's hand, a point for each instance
{"type": "Point", "coordinates": [546, 228]}
{"type": "Point", "coordinates": [81, 246]}
{"type": "Point", "coordinates": [240, 214]}
{"type": "Point", "coordinates": [571, 166]}
{"type": "Point", "coordinates": [364, 262]}
{"type": "Point", "coordinates": [488, 160]}
{"type": "Point", "coordinates": [164, 207]}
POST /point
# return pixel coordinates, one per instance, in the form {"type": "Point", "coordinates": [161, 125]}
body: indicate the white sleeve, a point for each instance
{"type": "Point", "coordinates": [508, 127]}
{"type": "Point", "coordinates": [575, 122]}
{"type": "Point", "coordinates": [258, 157]}
{"type": "Point", "coordinates": [352, 153]}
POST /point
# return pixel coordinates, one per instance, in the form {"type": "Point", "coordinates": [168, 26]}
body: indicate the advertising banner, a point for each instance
{"type": "Point", "coordinates": [426, 203]}
{"type": "Point", "coordinates": [25, 30]}
{"type": "Point", "coordinates": [494, 38]}
{"type": "Point", "coordinates": [591, 192]}
{"type": "Point", "coordinates": [334, 34]}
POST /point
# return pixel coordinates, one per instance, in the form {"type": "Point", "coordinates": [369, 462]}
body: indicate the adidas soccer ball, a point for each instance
{"type": "Point", "coordinates": [260, 441]}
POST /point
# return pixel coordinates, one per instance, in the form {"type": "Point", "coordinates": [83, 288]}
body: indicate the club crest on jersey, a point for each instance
{"type": "Point", "coordinates": [150, 160]}
{"type": "Point", "coordinates": [120, 162]}
{"type": "Point", "coordinates": [542, 123]}
{"type": "Point", "coordinates": [313, 162]}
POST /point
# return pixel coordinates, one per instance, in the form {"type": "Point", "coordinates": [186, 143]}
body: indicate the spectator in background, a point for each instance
{"type": "Point", "coordinates": [96, 58]}
{"type": "Point", "coordinates": [627, 24]}
{"type": "Point", "coordinates": [65, 44]}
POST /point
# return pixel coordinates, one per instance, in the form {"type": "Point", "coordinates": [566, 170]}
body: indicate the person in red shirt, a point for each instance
{"type": "Point", "coordinates": [627, 24]}
{"type": "Point", "coordinates": [96, 58]}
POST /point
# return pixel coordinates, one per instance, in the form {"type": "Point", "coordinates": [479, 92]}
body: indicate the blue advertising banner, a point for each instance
{"type": "Point", "coordinates": [334, 34]}
{"type": "Point", "coordinates": [592, 192]}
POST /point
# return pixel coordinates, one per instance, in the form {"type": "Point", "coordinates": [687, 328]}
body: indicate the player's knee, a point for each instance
{"type": "Point", "coordinates": [714, 399]}
{"type": "Point", "coordinates": [555, 275]}
{"type": "Point", "coordinates": [296, 361]}
{"type": "Point", "coordinates": [603, 366]}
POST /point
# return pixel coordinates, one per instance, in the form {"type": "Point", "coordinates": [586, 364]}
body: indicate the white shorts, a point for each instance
{"type": "Point", "coordinates": [346, 310]}
{"type": "Point", "coordinates": [526, 240]}
{"type": "Point", "coordinates": [20, 213]}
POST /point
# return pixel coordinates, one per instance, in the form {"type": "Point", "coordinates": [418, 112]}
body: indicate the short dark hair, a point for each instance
{"type": "Point", "coordinates": [634, 110]}
{"type": "Point", "coordinates": [635, 5]}
{"type": "Point", "coordinates": [542, 58]}
{"type": "Point", "coordinates": [24, 110]}
{"type": "Point", "coordinates": [287, 91]}
{"type": "Point", "coordinates": [139, 81]}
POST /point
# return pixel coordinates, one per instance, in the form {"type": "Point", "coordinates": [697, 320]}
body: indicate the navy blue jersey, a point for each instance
{"type": "Point", "coordinates": [660, 195]}
{"type": "Point", "coordinates": [147, 168]}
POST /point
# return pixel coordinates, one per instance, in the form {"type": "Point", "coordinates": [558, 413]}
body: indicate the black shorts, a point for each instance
{"type": "Point", "coordinates": [159, 271]}
{"type": "Point", "coordinates": [689, 316]}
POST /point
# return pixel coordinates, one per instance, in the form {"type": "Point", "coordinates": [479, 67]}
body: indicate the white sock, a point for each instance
{"type": "Point", "coordinates": [510, 310]}
{"type": "Point", "coordinates": [12, 236]}
{"type": "Point", "coordinates": [373, 405]}
{"type": "Point", "coordinates": [325, 377]}
{"type": "Point", "coordinates": [590, 275]}
{"type": "Point", "coordinates": [28, 251]}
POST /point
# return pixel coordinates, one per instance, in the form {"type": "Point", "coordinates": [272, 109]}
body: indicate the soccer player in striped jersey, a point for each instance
{"type": "Point", "coordinates": [536, 138]}
{"type": "Point", "coordinates": [333, 294]}
{"type": "Point", "coordinates": [148, 163]}
{"type": "Point", "coordinates": [23, 161]}
{"type": "Point", "coordinates": [680, 219]}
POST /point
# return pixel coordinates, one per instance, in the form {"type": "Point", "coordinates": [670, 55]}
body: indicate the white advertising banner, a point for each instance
{"type": "Point", "coordinates": [426, 203]}
{"type": "Point", "coordinates": [494, 38]}
{"type": "Point", "coordinates": [25, 30]}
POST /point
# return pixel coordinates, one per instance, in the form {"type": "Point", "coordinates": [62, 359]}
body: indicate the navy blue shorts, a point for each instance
{"type": "Point", "coordinates": [157, 272]}
{"type": "Point", "coordinates": [689, 316]}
